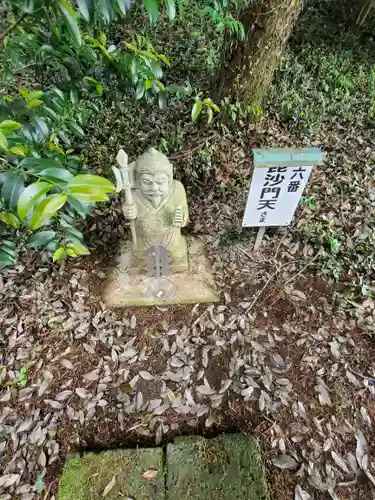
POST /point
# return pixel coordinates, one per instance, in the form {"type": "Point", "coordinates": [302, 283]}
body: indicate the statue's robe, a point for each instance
{"type": "Point", "coordinates": [154, 226]}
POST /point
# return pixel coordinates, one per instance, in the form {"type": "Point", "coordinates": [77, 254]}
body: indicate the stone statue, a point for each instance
{"type": "Point", "coordinates": [156, 205]}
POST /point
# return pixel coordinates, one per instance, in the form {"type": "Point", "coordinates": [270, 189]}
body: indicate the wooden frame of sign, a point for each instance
{"type": "Point", "coordinates": [279, 178]}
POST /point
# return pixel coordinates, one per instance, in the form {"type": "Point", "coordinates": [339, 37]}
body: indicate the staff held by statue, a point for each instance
{"type": "Point", "coordinates": [122, 160]}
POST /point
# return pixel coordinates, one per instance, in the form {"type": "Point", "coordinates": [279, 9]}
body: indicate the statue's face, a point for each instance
{"type": "Point", "coordinates": [155, 187]}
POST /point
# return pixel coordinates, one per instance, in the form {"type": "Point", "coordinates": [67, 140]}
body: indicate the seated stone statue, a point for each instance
{"type": "Point", "coordinates": [158, 209]}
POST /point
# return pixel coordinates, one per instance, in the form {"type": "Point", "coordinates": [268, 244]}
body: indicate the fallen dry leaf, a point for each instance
{"type": "Point", "coordinates": [149, 474]}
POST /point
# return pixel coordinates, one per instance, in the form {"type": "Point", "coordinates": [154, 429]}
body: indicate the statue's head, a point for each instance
{"type": "Point", "coordinates": [153, 175]}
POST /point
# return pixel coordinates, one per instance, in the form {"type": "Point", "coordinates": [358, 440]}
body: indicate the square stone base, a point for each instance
{"type": "Point", "coordinates": [124, 288]}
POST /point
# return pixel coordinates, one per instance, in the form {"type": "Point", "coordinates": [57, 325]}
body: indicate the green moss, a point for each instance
{"type": "Point", "coordinates": [86, 478]}
{"type": "Point", "coordinates": [227, 468]}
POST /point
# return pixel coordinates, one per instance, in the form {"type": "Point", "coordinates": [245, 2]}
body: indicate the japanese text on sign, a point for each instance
{"type": "Point", "coordinates": [274, 195]}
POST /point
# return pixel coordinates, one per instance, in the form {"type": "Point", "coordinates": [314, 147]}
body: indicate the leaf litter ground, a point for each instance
{"type": "Point", "coordinates": [285, 355]}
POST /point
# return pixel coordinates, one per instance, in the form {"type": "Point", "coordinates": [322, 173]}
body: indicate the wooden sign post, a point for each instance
{"type": "Point", "coordinates": [279, 178]}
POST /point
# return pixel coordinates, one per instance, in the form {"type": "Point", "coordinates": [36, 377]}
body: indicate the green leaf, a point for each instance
{"type": "Point", "coordinates": [70, 19]}
{"type": "Point", "coordinates": [59, 254]}
{"type": "Point", "coordinates": [34, 103]}
{"type": "Point", "coordinates": [122, 6]}
{"type": "Point", "coordinates": [91, 80]}
{"type": "Point", "coordinates": [8, 125]}
{"type": "Point", "coordinates": [13, 185]}
{"type": "Point", "coordinates": [162, 100]}
{"type": "Point", "coordinates": [77, 129]}
{"type": "Point", "coordinates": [74, 95]}
{"type": "Point", "coordinates": [51, 113]}
{"type": "Point", "coordinates": [196, 111]}
{"type": "Point", "coordinates": [152, 9]}
{"type": "Point", "coordinates": [10, 219]}
{"type": "Point", "coordinates": [24, 93]}
{"type": "Point", "coordinates": [89, 197]}
{"type": "Point", "coordinates": [42, 126]}
{"type": "Point", "coordinates": [92, 182]}
{"type": "Point", "coordinates": [17, 150]}
{"type": "Point", "coordinates": [181, 9]}
{"type": "Point", "coordinates": [3, 141]}
{"type": "Point", "coordinates": [173, 88]}
{"type": "Point", "coordinates": [59, 94]}
{"type": "Point", "coordinates": [36, 165]}
{"type": "Point", "coordinates": [99, 88]}
{"type": "Point", "coordinates": [78, 248]}
{"type": "Point", "coordinates": [85, 7]}
{"type": "Point", "coordinates": [210, 115]}
{"type": "Point", "coordinates": [46, 209]}
{"type": "Point", "coordinates": [72, 233]}
{"type": "Point", "coordinates": [208, 102]}
{"type": "Point", "coordinates": [58, 175]}
{"type": "Point", "coordinates": [104, 10]}
{"type": "Point", "coordinates": [140, 90]}
{"type": "Point", "coordinates": [30, 196]}
{"type": "Point", "coordinates": [5, 259]}
{"type": "Point", "coordinates": [159, 84]}
{"type": "Point", "coordinates": [165, 60]}
{"type": "Point", "coordinates": [53, 245]}
{"type": "Point", "coordinates": [80, 207]}
{"type": "Point", "coordinates": [8, 247]}
{"type": "Point", "coordinates": [171, 9]}
{"type": "Point", "coordinates": [40, 239]}
{"type": "Point", "coordinates": [35, 94]}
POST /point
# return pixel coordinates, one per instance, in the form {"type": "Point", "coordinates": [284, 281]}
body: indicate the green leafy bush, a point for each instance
{"type": "Point", "coordinates": [43, 189]}
{"type": "Point", "coordinates": [44, 186]}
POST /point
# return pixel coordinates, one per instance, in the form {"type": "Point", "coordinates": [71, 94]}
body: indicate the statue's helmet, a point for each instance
{"type": "Point", "coordinates": [151, 162]}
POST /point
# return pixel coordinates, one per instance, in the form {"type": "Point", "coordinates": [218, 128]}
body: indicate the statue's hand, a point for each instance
{"type": "Point", "coordinates": [129, 211]}
{"type": "Point", "coordinates": [178, 218]}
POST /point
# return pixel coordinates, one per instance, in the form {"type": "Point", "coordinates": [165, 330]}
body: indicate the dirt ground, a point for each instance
{"type": "Point", "coordinates": [286, 355]}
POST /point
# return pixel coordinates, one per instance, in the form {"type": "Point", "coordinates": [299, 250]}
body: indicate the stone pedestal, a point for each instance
{"type": "Point", "coordinates": [126, 288]}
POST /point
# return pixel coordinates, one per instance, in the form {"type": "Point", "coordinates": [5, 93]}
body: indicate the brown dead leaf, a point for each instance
{"type": "Point", "coordinates": [149, 474]}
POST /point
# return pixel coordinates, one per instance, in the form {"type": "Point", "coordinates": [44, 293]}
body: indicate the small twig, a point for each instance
{"type": "Point", "coordinates": [48, 490]}
{"type": "Point", "coordinates": [251, 257]}
{"type": "Point", "coordinates": [136, 427]}
{"type": "Point", "coordinates": [301, 270]}
{"type": "Point", "coordinates": [187, 152]}
{"type": "Point", "coordinates": [263, 288]}
{"type": "Point", "coordinates": [279, 245]}
{"type": "Point", "coordinates": [360, 375]}
{"type": "Point", "coordinates": [12, 27]}
{"type": "Point", "coordinates": [261, 291]}
{"type": "Point", "coordinates": [348, 483]}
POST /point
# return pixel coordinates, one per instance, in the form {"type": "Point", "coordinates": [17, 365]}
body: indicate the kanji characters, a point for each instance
{"type": "Point", "coordinates": [274, 180]}
{"type": "Point", "coordinates": [266, 204]}
{"type": "Point", "coordinates": [294, 186]}
{"type": "Point", "coordinates": [267, 190]}
{"type": "Point", "coordinates": [298, 172]}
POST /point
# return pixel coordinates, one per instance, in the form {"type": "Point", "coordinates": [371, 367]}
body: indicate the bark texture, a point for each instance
{"type": "Point", "coordinates": [249, 70]}
{"type": "Point", "coordinates": [366, 6]}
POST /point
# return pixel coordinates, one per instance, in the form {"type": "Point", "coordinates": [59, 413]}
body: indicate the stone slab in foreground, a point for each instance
{"type": "Point", "coordinates": [138, 475]}
{"type": "Point", "coordinates": [228, 467]}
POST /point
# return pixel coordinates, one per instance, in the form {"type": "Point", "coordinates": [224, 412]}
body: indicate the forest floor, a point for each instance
{"type": "Point", "coordinates": [288, 353]}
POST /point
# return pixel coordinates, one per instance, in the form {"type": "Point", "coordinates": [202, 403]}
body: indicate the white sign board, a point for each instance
{"type": "Point", "coordinates": [274, 195]}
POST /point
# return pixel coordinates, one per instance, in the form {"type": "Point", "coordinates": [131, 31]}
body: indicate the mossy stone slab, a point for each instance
{"type": "Point", "coordinates": [86, 477]}
{"type": "Point", "coordinates": [228, 467]}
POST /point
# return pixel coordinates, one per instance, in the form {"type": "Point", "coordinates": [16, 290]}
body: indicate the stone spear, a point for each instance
{"type": "Point", "coordinates": [122, 160]}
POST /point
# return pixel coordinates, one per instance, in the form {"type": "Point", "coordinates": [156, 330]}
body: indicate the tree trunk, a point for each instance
{"type": "Point", "coordinates": [248, 72]}
{"type": "Point", "coordinates": [366, 6]}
